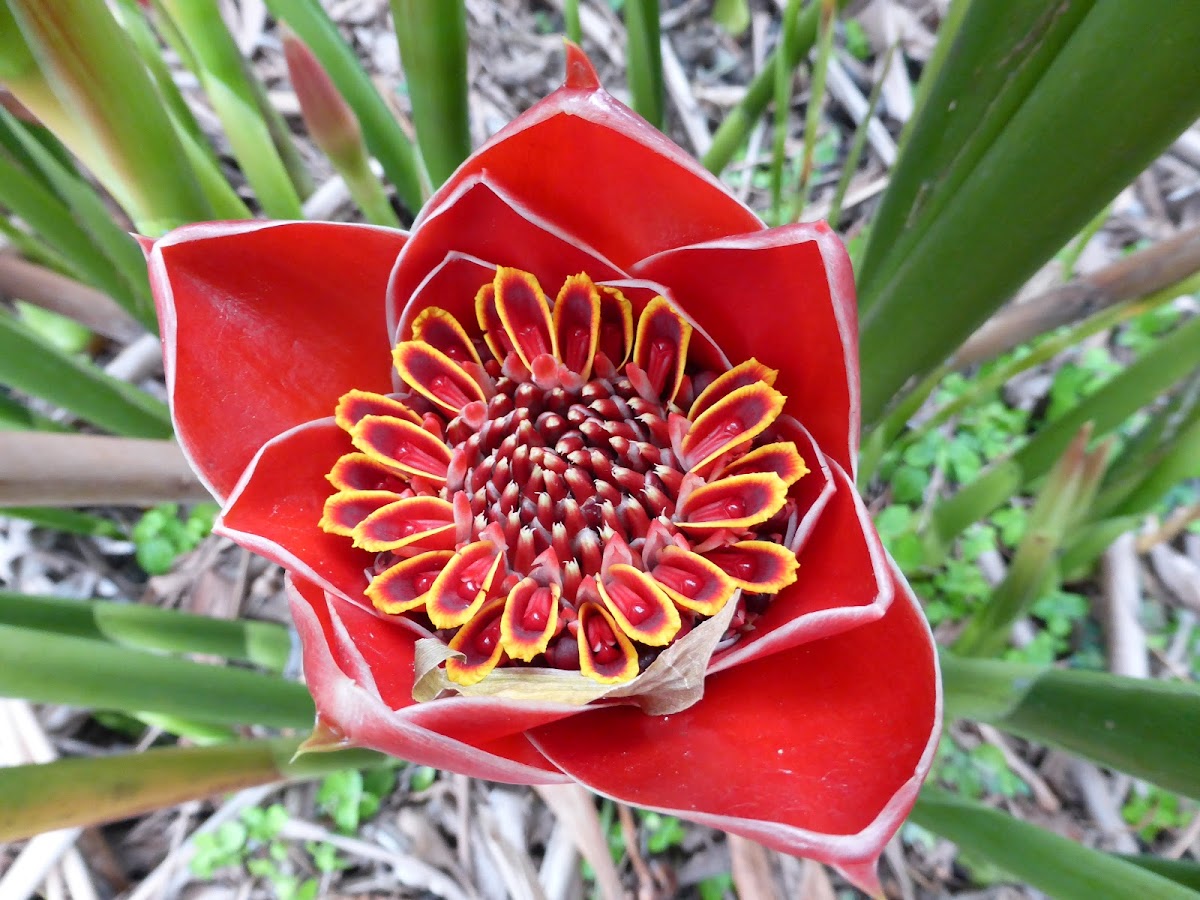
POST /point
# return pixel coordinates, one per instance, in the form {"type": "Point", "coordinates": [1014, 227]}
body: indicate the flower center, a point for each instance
{"type": "Point", "coordinates": [564, 490]}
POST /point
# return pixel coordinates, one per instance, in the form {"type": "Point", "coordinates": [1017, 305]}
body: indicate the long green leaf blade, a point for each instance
{"type": "Point", "coordinates": [1170, 360]}
{"type": "Point", "coordinates": [75, 671]}
{"type": "Point", "coordinates": [97, 75]}
{"type": "Point", "coordinates": [33, 366]}
{"type": "Point", "coordinates": [223, 75]}
{"type": "Point", "coordinates": [433, 51]}
{"type": "Point", "coordinates": [1032, 189]}
{"type": "Point", "coordinates": [1148, 728]}
{"type": "Point", "coordinates": [150, 628]}
{"type": "Point", "coordinates": [1047, 861]}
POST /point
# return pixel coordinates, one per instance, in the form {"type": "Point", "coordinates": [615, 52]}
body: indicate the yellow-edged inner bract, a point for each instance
{"type": "Point", "coordinates": [557, 485]}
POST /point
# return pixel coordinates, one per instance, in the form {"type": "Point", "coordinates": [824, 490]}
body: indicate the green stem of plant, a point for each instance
{"type": "Point", "coordinates": [859, 141]}
{"type": "Point", "coordinates": [369, 194]}
{"type": "Point", "coordinates": [433, 51]}
{"type": "Point", "coordinates": [784, 75]}
{"type": "Point", "coordinates": [571, 21]}
{"type": "Point", "coordinates": [816, 100]}
{"type": "Point", "coordinates": [734, 130]}
{"type": "Point", "coordinates": [1071, 253]}
{"type": "Point", "coordinates": [644, 59]}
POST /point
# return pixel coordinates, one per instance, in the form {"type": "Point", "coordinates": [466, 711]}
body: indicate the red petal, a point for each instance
{"type": "Point", "coordinates": [356, 405]}
{"type": "Point", "coordinates": [828, 743]}
{"type": "Point", "coordinates": [480, 641]}
{"type": "Point", "coordinates": [488, 318]}
{"type": "Point", "coordinates": [406, 585]}
{"type": "Point", "coordinates": [577, 316]}
{"type": "Point", "coordinates": [842, 582]}
{"type": "Point", "coordinates": [758, 566]}
{"type": "Point", "coordinates": [482, 739]}
{"type": "Point", "coordinates": [660, 349]}
{"type": "Point", "coordinates": [524, 312]}
{"type": "Point", "coordinates": [781, 458]}
{"type": "Point", "coordinates": [733, 420]}
{"type": "Point", "coordinates": [615, 339]}
{"type": "Point", "coordinates": [738, 501]}
{"type": "Point", "coordinates": [479, 220]}
{"type": "Point", "coordinates": [242, 303]}
{"type": "Point", "coordinates": [692, 581]}
{"type": "Point", "coordinates": [605, 654]}
{"type": "Point", "coordinates": [530, 619]}
{"type": "Point", "coordinates": [591, 165]}
{"type": "Point", "coordinates": [434, 375]}
{"type": "Point", "coordinates": [463, 585]}
{"type": "Point", "coordinates": [751, 371]}
{"type": "Point", "coordinates": [443, 332]}
{"type": "Point", "coordinates": [639, 605]}
{"type": "Point", "coordinates": [276, 507]}
{"type": "Point", "coordinates": [346, 509]}
{"type": "Point", "coordinates": [425, 522]}
{"type": "Point", "coordinates": [402, 445]}
{"type": "Point", "coordinates": [786, 297]}
{"type": "Point", "coordinates": [358, 472]}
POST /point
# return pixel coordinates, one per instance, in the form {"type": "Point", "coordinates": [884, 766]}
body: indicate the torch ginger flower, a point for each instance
{"type": "Point", "coordinates": [563, 481]}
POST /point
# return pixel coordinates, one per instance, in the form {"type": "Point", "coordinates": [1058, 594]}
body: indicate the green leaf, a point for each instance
{"type": "Point", "coordinates": [120, 126]}
{"type": "Point", "coordinates": [225, 81]}
{"type": "Point", "coordinates": [1027, 90]}
{"type": "Point", "coordinates": [52, 668]}
{"type": "Point", "coordinates": [1178, 870]}
{"type": "Point", "coordinates": [89, 791]}
{"type": "Point", "coordinates": [1042, 859]}
{"type": "Point", "coordinates": [732, 15]}
{"type": "Point", "coordinates": [1175, 357]}
{"type": "Point", "coordinates": [644, 62]}
{"type": "Point", "coordinates": [433, 51]}
{"type": "Point", "coordinates": [1144, 727]}
{"type": "Point", "coordinates": [71, 521]}
{"type": "Point", "coordinates": [146, 627]}
{"type": "Point", "coordinates": [33, 366]}
{"type": "Point", "coordinates": [132, 291]}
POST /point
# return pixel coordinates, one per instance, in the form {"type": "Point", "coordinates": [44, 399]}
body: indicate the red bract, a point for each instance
{"type": "Point", "coordinates": [541, 471]}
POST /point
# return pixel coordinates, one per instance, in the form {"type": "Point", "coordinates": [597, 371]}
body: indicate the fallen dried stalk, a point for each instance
{"type": "Point", "coordinates": [23, 280]}
{"type": "Point", "coordinates": [1122, 596]}
{"type": "Point", "coordinates": [408, 870]}
{"type": "Point", "coordinates": [630, 836]}
{"type": "Point", "coordinates": [1153, 269]}
{"type": "Point", "coordinates": [575, 808]}
{"type": "Point", "coordinates": [91, 470]}
{"type": "Point", "coordinates": [751, 865]}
